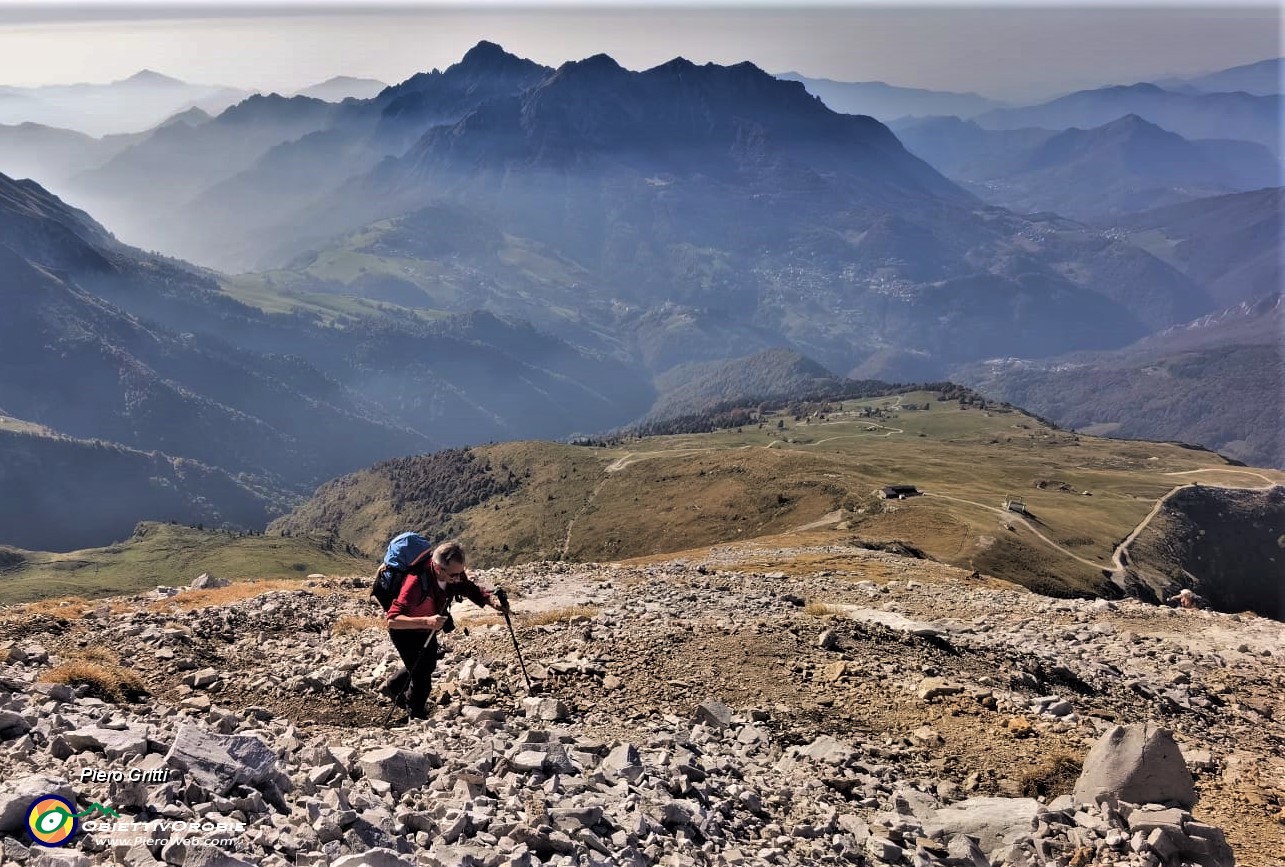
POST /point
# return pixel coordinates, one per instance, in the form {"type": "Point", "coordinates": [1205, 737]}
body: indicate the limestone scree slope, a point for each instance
{"type": "Point", "coordinates": [686, 711]}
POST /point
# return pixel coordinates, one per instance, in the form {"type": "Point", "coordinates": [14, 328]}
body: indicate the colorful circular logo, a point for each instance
{"type": "Point", "coordinates": [51, 821]}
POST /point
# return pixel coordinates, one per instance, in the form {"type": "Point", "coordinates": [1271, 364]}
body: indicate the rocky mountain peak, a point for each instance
{"type": "Point", "coordinates": [273, 108]}
{"type": "Point", "coordinates": [598, 64]}
{"type": "Point", "coordinates": [150, 77]}
{"type": "Point", "coordinates": [487, 58]}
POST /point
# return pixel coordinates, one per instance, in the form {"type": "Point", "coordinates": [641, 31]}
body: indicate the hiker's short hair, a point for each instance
{"type": "Point", "coordinates": [447, 553]}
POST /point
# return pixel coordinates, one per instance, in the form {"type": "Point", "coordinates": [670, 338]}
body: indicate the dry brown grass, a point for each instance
{"type": "Point", "coordinates": [821, 609]}
{"type": "Point", "coordinates": [66, 608]}
{"type": "Point", "coordinates": [357, 623]}
{"type": "Point", "coordinates": [100, 670]}
{"type": "Point", "coordinates": [1055, 775]}
{"type": "Point", "coordinates": [98, 656]}
{"type": "Point", "coordinates": [237, 592]}
{"type": "Point", "coordinates": [557, 615]}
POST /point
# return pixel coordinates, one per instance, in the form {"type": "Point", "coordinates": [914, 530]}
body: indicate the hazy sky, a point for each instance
{"type": "Point", "coordinates": [1017, 50]}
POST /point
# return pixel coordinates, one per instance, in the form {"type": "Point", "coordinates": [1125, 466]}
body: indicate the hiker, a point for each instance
{"type": "Point", "coordinates": [1187, 599]}
{"type": "Point", "coordinates": [421, 611]}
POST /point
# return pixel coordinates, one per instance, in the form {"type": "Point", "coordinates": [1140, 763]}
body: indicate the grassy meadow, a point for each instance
{"type": "Point", "coordinates": [673, 493]}
{"type": "Point", "coordinates": [164, 554]}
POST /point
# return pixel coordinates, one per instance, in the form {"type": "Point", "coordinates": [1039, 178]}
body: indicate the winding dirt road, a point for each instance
{"type": "Point", "coordinates": [1119, 557]}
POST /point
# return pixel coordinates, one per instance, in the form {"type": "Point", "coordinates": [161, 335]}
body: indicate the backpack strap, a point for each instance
{"type": "Point", "coordinates": [417, 569]}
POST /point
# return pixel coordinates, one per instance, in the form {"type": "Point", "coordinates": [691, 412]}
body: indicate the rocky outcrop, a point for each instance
{"type": "Point", "coordinates": [1226, 545]}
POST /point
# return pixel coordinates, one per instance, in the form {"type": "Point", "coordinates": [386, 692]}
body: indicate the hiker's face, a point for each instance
{"type": "Point", "coordinates": [452, 571]}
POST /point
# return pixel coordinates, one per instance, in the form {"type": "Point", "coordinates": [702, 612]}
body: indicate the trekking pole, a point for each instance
{"type": "Point", "coordinates": [504, 601]}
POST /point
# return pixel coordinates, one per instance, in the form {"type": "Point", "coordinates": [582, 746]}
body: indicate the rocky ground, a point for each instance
{"type": "Point", "coordinates": [705, 711]}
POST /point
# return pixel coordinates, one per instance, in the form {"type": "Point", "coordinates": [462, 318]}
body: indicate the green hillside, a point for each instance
{"type": "Point", "coordinates": [785, 472]}
{"type": "Point", "coordinates": [165, 554]}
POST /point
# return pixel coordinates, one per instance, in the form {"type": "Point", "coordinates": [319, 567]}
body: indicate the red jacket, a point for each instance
{"type": "Point", "coordinates": [413, 602]}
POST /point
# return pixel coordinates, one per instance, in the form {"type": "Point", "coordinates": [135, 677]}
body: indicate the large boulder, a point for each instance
{"type": "Point", "coordinates": [713, 713]}
{"type": "Point", "coordinates": [112, 743]}
{"type": "Point", "coordinates": [206, 581]}
{"type": "Point", "coordinates": [993, 822]}
{"type": "Point", "coordinates": [219, 763]}
{"type": "Point", "coordinates": [1139, 764]}
{"type": "Point", "coordinates": [400, 770]}
{"type": "Point", "coordinates": [623, 762]}
{"type": "Point", "coordinates": [827, 749]}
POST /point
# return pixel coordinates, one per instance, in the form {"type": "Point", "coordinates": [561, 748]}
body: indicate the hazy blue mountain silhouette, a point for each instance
{"type": "Point", "coordinates": [231, 223]}
{"type": "Point", "coordinates": [1191, 115]}
{"type": "Point", "coordinates": [888, 102]}
{"type": "Point", "coordinates": [1218, 381]}
{"type": "Point", "coordinates": [155, 179]}
{"type": "Point", "coordinates": [1262, 78]}
{"type": "Point", "coordinates": [341, 87]}
{"type": "Point", "coordinates": [51, 156]}
{"type": "Point", "coordinates": [693, 194]}
{"type": "Point", "coordinates": [1126, 165]}
{"type": "Point", "coordinates": [126, 106]}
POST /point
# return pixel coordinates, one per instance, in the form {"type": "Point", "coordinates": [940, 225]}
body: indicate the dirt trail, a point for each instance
{"type": "Point", "coordinates": [1119, 556]}
{"type": "Point", "coordinates": [566, 541]}
{"type": "Point", "coordinates": [1121, 553]}
{"type": "Point", "coordinates": [1016, 518]}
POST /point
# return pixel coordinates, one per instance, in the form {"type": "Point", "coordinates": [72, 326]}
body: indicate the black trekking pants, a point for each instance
{"type": "Point", "coordinates": [418, 650]}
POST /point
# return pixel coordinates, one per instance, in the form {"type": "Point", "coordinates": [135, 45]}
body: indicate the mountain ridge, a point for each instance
{"type": "Point", "coordinates": [1126, 165]}
{"type": "Point", "coordinates": [889, 102]}
{"type": "Point", "coordinates": [1198, 116]}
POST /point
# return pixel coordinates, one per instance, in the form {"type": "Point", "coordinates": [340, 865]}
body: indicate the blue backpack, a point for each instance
{"type": "Point", "coordinates": [408, 553]}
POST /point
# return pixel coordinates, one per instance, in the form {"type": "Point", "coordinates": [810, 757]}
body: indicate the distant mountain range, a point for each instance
{"type": "Point", "coordinates": [1217, 380]}
{"type": "Point", "coordinates": [127, 106]}
{"type": "Point", "coordinates": [343, 87]}
{"type": "Point", "coordinates": [706, 212]}
{"type": "Point", "coordinates": [1231, 245]}
{"type": "Point", "coordinates": [1240, 116]}
{"type": "Point", "coordinates": [1262, 79]}
{"type": "Point", "coordinates": [888, 102]}
{"type": "Point", "coordinates": [1123, 166]}
{"type": "Point", "coordinates": [160, 175]}
{"type": "Point", "coordinates": [631, 212]}
{"type": "Point", "coordinates": [502, 250]}
{"type": "Point", "coordinates": [52, 156]}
